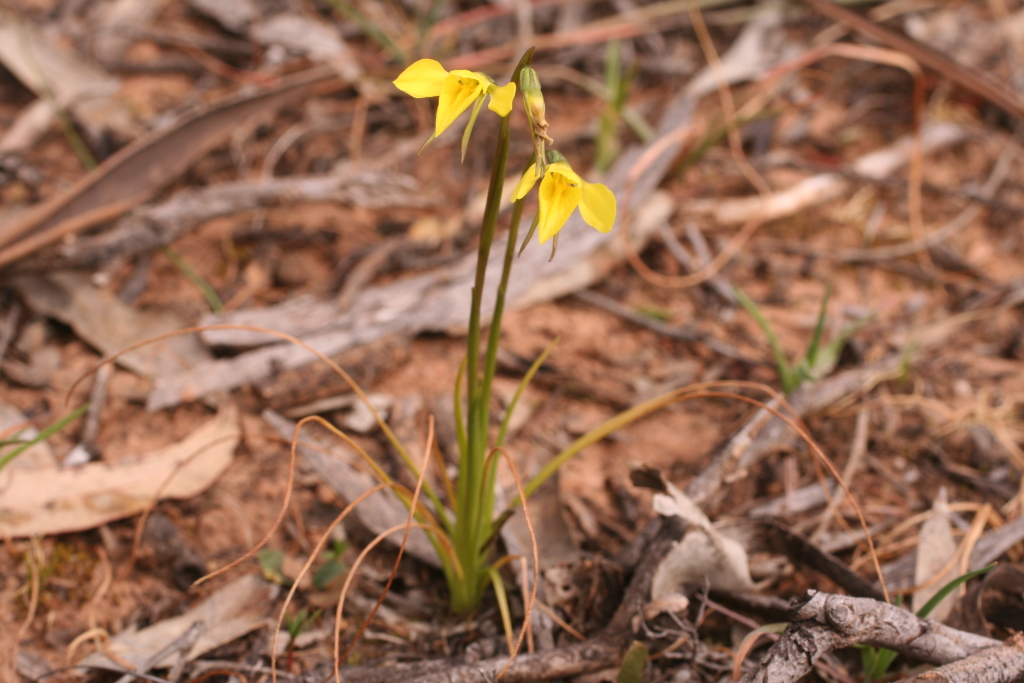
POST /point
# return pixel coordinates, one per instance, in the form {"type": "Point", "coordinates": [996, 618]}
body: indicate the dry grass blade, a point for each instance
{"type": "Point", "coordinates": [34, 561]}
{"type": "Point", "coordinates": [351, 576]}
{"type": "Point", "coordinates": [428, 447]}
{"type": "Point", "coordinates": [306, 567]}
{"type": "Point", "coordinates": [536, 562]}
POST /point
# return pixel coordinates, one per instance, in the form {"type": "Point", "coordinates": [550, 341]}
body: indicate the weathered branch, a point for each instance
{"type": "Point", "coordinates": [823, 622]}
{"type": "Point", "coordinates": [593, 655]}
{"type": "Point", "coordinates": [1003, 664]}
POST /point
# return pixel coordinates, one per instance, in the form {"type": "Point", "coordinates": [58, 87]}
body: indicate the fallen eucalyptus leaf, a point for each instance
{"type": "Point", "coordinates": [54, 501]}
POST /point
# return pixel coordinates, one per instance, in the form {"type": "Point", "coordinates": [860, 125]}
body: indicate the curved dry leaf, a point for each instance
{"type": "Point", "coordinates": [55, 501]}
{"type": "Point", "coordinates": [704, 553]}
{"type": "Point", "coordinates": [144, 167]}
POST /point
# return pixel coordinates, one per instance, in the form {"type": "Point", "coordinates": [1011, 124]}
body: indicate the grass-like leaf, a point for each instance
{"type": "Point", "coordinates": [44, 433]}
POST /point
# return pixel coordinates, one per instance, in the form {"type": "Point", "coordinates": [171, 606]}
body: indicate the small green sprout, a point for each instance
{"type": "Point", "coordinates": [295, 625]}
{"type": "Point", "coordinates": [300, 621]}
{"type": "Point", "coordinates": [272, 566]}
{"type": "Point", "coordinates": [819, 360]}
{"type": "Point", "coordinates": [333, 567]}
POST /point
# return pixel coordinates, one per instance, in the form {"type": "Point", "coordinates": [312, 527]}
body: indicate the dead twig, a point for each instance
{"type": "Point", "coordinates": [159, 225]}
{"type": "Point", "coordinates": [141, 169]}
{"type": "Point", "coordinates": [992, 665]}
{"type": "Point", "coordinates": [822, 623]}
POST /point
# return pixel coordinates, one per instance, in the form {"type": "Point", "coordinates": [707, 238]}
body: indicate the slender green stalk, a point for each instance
{"type": "Point", "coordinates": [200, 283]}
{"type": "Point", "coordinates": [44, 434]}
{"type": "Point", "coordinates": [475, 490]}
{"type": "Point", "coordinates": [471, 460]}
{"type": "Point", "coordinates": [594, 435]}
{"type": "Point", "coordinates": [502, 596]}
{"type": "Point", "coordinates": [486, 512]}
{"type": "Point", "coordinates": [460, 424]}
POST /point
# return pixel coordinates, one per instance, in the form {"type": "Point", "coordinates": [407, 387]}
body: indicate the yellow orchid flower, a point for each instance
{"type": "Point", "coordinates": [561, 191]}
{"type": "Point", "coordinates": [457, 90]}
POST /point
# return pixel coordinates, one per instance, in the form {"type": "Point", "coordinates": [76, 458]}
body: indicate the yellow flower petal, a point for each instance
{"type": "Point", "coordinates": [564, 169]}
{"type": "Point", "coordinates": [597, 206]}
{"type": "Point", "coordinates": [458, 91]}
{"type": "Point", "coordinates": [422, 79]}
{"type": "Point", "coordinates": [559, 195]}
{"type": "Point", "coordinates": [501, 98]}
{"type": "Point", "coordinates": [525, 183]}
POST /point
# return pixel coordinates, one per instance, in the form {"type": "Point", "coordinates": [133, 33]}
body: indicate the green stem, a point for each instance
{"type": "Point", "coordinates": [470, 461]}
{"type": "Point", "coordinates": [486, 511]}
{"type": "Point", "coordinates": [475, 503]}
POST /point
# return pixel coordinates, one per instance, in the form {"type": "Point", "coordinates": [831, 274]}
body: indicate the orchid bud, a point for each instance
{"type": "Point", "coordinates": [529, 83]}
{"type": "Point", "coordinates": [533, 98]}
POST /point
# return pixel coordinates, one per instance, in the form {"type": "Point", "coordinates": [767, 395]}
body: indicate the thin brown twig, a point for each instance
{"type": "Point", "coordinates": [728, 103]}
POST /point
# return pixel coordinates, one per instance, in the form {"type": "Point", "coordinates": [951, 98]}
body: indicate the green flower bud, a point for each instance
{"type": "Point", "coordinates": [533, 99]}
